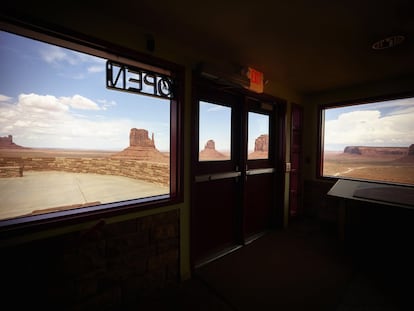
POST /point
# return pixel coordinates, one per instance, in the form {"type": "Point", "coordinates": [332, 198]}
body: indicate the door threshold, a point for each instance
{"type": "Point", "coordinates": [217, 255]}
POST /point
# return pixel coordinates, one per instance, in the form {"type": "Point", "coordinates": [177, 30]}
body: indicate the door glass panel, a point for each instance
{"type": "Point", "coordinates": [258, 136]}
{"type": "Point", "coordinates": [214, 132]}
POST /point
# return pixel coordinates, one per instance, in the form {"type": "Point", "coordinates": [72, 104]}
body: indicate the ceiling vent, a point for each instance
{"type": "Point", "coordinates": [388, 42]}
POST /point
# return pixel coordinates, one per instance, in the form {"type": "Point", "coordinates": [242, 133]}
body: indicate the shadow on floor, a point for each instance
{"type": "Point", "coordinates": [302, 268]}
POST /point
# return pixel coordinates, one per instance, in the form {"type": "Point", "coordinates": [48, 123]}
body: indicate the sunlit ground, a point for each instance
{"type": "Point", "coordinates": [369, 168]}
{"type": "Point", "coordinates": [37, 191]}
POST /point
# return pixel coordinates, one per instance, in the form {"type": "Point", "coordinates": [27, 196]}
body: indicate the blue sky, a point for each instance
{"type": "Point", "coordinates": [57, 98]}
{"type": "Point", "coordinates": [215, 124]}
{"type": "Point", "coordinates": [382, 124]}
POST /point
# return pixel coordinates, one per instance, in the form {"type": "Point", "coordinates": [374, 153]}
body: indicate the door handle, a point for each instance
{"type": "Point", "coordinates": [259, 171]}
{"type": "Point", "coordinates": [217, 176]}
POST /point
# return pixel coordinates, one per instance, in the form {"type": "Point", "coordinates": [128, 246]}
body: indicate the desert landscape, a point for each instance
{"type": "Point", "coordinates": [145, 167]}
{"type": "Point", "coordinates": [141, 153]}
{"type": "Point", "coordinates": [391, 164]}
{"type": "Point", "coordinates": [209, 153]}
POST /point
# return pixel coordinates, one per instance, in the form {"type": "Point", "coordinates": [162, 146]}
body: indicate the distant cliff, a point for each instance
{"type": "Point", "coordinates": [6, 142]}
{"type": "Point", "coordinates": [378, 151]}
{"type": "Point", "coordinates": [261, 148]}
{"type": "Point", "coordinates": [210, 153]}
{"type": "Point", "coordinates": [141, 147]}
{"type": "Point", "coordinates": [262, 143]}
{"type": "Point", "coordinates": [411, 150]}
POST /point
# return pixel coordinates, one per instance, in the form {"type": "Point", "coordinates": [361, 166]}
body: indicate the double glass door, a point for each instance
{"type": "Point", "coordinates": [234, 173]}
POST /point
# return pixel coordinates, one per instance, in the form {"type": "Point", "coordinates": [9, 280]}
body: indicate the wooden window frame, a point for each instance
{"type": "Point", "coordinates": [320, 131]}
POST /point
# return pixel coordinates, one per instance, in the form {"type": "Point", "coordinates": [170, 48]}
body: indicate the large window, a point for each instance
{"type": "Point", "coordinates": [83, 131]}
{"type": "Point", "coordinates": [370, 141]}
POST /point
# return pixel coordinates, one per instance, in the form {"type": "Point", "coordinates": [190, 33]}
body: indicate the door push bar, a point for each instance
{"type": "Point", "coordinates": [260, 171]}
{"type": "Point", "coordinates": [209, 177]}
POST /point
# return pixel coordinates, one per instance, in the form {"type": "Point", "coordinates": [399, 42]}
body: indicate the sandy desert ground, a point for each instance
{"type": "Point", "coordinates": [384, 168]}
{"type": "Point", "coordinates": [52, 190]}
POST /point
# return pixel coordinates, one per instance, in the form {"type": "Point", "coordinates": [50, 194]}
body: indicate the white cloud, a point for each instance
{"type": "Point", "coordinates": [4, 98]}
{"type": "Point", "coordinates": [106, 104]}
{"type": "Point", "coordinates": [371, 129]}
{"type": "Point", "coordinates": [46, 121]}
{"type": "Point", "coordinates": [61, 58]}
{"type": "Point", "coordinates": [95, 69]}
{"type": "Point", "coordinates": [54, 54]}
{"type": "Point", "coordinates": [216, 108]}
{"type": "Point", "coordinates": [34, 103]}
{"type": "Point", "coordinates": [79, 102]}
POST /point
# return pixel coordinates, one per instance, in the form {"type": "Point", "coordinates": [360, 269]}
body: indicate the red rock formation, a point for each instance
{"type": "Point", "coordinates": [261, 148]}
{"type": "Point", "coordinates": [141, 148]}
{"type": "Point", "coordinates": [139, 138]}
{"type": "Point", "coordinates": [6, 142]}
{"type": "Point", "coordinates": [210, 145]}
{"type": "Point", "coordinates": [411, 150]}
{"type": "Point", "coordinates": [409, 158]}
{"type": "Point", "coordinates": [376, 151]}
{"type": "Point", "coordinates": [209, 153]}
{"type": "Point", "coordinates": [397, 154]}
{"type": "Point", "coordinates": [262, 143]}
{"type": "Point", "coordinates": [352, 150]}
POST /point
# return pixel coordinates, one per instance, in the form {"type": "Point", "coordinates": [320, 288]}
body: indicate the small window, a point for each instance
{"type": "Point", "coordinates": [214, 132]}
{"type": "Point", "coordinates": [72, 139]}
{"type": "Point", "coordinates": [258, 136]}
{"type": "Point", "coordinates": [371, 141]}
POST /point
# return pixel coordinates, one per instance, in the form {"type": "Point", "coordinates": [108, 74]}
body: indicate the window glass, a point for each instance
{"type": "Point", "coordinates": [372, 141]}
{"type": "Point", "coordinates": [68, 141]}
{"type": "Point", "coordinates": [258, 136]}
{"type": "Point", "coordinates": [214, 132]}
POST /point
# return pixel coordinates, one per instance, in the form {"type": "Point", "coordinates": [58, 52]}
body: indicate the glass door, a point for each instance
{"type": "Point", "coordinates": [216, 188]}
{"type": "Point", "coordinates": [260, 168]}
{"type": "Point", "coordinates": [234, 176]}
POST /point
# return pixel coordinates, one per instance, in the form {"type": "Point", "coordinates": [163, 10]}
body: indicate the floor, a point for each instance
{"type": "Point", "coordinates": [305, 267]}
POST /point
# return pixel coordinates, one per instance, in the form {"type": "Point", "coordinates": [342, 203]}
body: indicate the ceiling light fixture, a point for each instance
{"type": "Point", "coordinates": [388, 42]}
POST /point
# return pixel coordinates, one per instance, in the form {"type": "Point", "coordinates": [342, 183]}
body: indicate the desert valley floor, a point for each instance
{"type": "Point", "coordinates": [37, 192]}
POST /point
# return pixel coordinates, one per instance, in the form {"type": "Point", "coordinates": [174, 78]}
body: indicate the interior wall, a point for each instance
{"type": "Point", "coordinates": [87, 20]}
{"type": "Point", "coordinates": [317, 203]}
{"type": "Point", "coordinates": [378, 89]}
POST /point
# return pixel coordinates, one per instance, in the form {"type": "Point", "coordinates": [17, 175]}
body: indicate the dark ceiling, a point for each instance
{"type": "Point", "coordinates": [309, 46]}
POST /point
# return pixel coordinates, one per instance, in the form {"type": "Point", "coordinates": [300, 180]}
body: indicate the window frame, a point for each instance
{"type": "Point", "coordinates": [255, 105]}
{"type": "Point", "coordinates": [222, 161]}
{"type": "Point", "coordinates": [69, 39]}
{"type": "Point", "coordinates": [205, 91]}
{"type": "Point", "coordinates": [320, 133]}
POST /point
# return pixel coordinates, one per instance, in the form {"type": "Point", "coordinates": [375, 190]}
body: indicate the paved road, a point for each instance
{"type": "Point", "coordinates": [42, 190]}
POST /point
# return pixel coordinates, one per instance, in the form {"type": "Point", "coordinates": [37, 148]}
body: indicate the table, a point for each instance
{"type": "Point", "coordinates": [383, 194]}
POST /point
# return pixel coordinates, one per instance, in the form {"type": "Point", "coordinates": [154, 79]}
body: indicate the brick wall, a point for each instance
{"type": "Point", "coordinates": [11, 171]}
{"type": "Point", "coordinates": [150, 171]}
{"type": "Point", "coordinates": [108, 267]}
